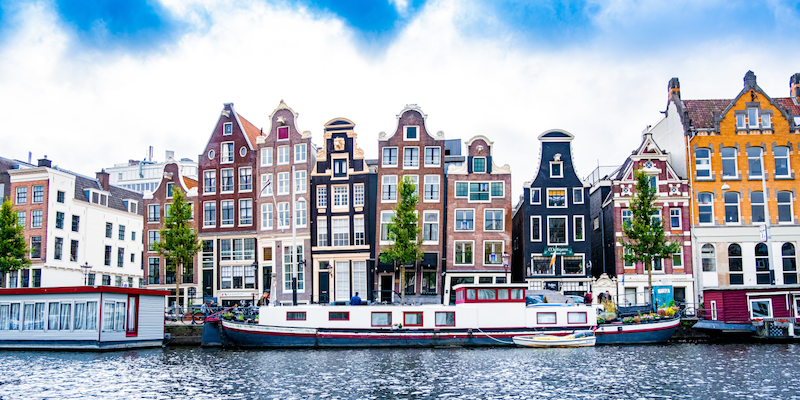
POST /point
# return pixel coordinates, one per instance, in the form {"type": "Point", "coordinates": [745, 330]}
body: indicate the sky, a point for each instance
{"type": "Point", "coordinates": [93, 84]}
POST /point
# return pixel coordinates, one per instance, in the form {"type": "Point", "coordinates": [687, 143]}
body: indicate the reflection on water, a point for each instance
{"type": "Point", "coordinates": [681, 371]}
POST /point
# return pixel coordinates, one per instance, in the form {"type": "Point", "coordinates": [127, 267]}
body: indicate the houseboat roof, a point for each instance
{"type": "Point", "coordinates": [493, 286]}
{"type": "Point", "coordinates": [85, 289]}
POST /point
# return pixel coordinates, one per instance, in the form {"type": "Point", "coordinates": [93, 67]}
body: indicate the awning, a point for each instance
{"type": "Point", "coordinates": [430, 260]}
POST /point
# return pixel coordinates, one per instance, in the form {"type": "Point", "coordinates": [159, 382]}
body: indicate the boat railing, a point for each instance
{"type": "Point", "coordinates": [785, 327]}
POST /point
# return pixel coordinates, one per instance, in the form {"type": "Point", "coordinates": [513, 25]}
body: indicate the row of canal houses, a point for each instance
{"type": "Point", "coordinates": [277, 214]}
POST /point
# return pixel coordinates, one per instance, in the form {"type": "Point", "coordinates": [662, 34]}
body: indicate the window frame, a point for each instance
{"type": "Point", "coordinates": [456, 244]}
{"type": "Point", "coordinates": [710, 206]}
{"type": "Point", "coordinates": [474, 163]}
{"type": "Point", "coordinates": [438, 189]}
{"type": "Point", "coordinates": [396, 156]}
{"type": "Point", "coordinates": [738, 215]}
{"type": "Point", "coordinates": [538, 231]}
{"type": "Point", "coordinates": [675, 214]}
{"type": "Point", "coordinates": [706, 164]}
{"type": "Point", "coordinates": [575, 224]}
{"type": "Point", "coordinates": [411, 149]}
{"type": "Point", "coordinates": [419, 313]}
{"type": "Point", "coordinates": [786, 158]}
{"type": "Point", "coordinates": [502, 219]}
{"type": "Point", "coordinates": [438, 160]}
{"type": "Point", "coordinates": [417, 130]}
{"type": "Point", "coordinates": [455, 220]}
{"type": "Point", "coordinates": [226, 147]}
{"type": "Point", "coordinates": [566, 201]}
{"type": "Point", "coordinates": [372, 318]}
{"type": "Point", "coordinates": [560, 165]}
{"type": "Point", "coordinates": [284, 151]}
{"type": "Point", "coordinates": [303, 152]}
{"type": "Point", "coordinates": [728, 158]}
{"type": "Point", "coordinates": [425, 222]}
{"type": "Point", "coordinates": [750, 302]}
{"type": "Point", "coordinates": [536, 192]}
{"type": "Point", "coordinates": [566, 230]}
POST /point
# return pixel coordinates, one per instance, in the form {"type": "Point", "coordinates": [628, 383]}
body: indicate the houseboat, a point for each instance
{"type": "Point", "coordinates": [81, 318]}
{"type": "Point", "coordinates": [484, 315]}
{"type": "Point", "coordinates": [762, 312]}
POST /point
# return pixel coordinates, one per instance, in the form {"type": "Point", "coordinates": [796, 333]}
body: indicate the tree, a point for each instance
{"type": "Point", "coordinates": [178, 244]}
{"type": "Point", "coordinates": [643, 239]}
{"type": "Point", "coordinates": [404, 232]}
{"type": "Point", "coordinates": [13, 248]}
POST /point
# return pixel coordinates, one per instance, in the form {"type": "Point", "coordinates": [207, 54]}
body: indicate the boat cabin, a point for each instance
{"type": "Point", "coordinates": [81, 318]}
{"type": "Point", "coordinates": [742, 304]}
{"type": "Point", "coordinates": [489, 293]}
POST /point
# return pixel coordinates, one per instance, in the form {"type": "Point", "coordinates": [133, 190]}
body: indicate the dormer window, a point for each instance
{"type": "Point", "coordinates": [740, 123]}
{"type": "Point", "coordinates": [556, 169]}
{"type": "Point", "coordinates": [479, 164]}
{"type": "Point", "coordinates": [766, 120]}
{"type": "Point", "coordinates": [283, 133]}
{"type": "Point", "coordinates": [132, 206]}
{"type": "Point", "coordinates": [752, 116]}
{"type": "Point", "coordinates": [340, 168]}
{"type": "Point", "coordinates": [411, 132]}
{"type": "Point", "coordinates": [227, 129]}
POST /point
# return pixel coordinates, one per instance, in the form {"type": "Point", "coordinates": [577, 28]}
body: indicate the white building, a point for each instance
{"type": "Point", "coordinates": [145, 175]}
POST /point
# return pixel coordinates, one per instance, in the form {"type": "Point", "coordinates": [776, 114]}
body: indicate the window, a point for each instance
{"type": "Point", "coordinates": [358, 195]}
{"type": "Point", "coordinates": [428, 282]}
{"type": "Point", "coordinates": [296, 316]}
{"type": "Point", "coordinates": [389, 188]}
{"type": "Point", "coordinates": [109, 229]}
{"type": "Point", "coordinates": [445, 318]}
{"type": "Point", "coordinates": [752, 116]}
{"type": "Point", "coordinates": [432, 156]}
{"type": "Point", "coordinates": [577, 195]}
{"type": "Point", "coordinates": [76, 222]}
{"type": "Point", "coordinates": [283, 134]}
{"type": "Point", "coordinates": [289, 268]}
{"type": "Point", "coordinates": [152, 237]}
{"type": "Point", "coordinates": [283, 183]}
{"type": "Point", "coordinates": [120, 257]}
{"type": "Point", "coordinates": [556, 198]}
{"type": "Point", "coordinates": [677, 258]}
{"type": "Point", "coordinates": [245, 179]}
{"type": "Point", "coordinates": [576, 317]}
{"type": "Point", "coordinates": [266, 157]}
{"type": "Point", "coordinates": [498, 189]}
{"type": "Point", "coordinates": [227, 129]}
{"type": "Point", "coordinates": [36, 219]}
{"type": "Point", "coordinates": [36, 247]}
{"type": "Point", "coordinates": [38, 194]}
{"type": "Point", "coordinates": [556, 230]}
{"type": "Point", "coordinates": [789, 264]}
{"type": "Point", "coordinates": [653, 181]}
{"type": "Point", "coordinates": [227, 152]}
{"type": "Point", "coordinates": [412, 318]}
{"type": "Point", "coordinates": [708, 258]}
{"type": "Point", "coordinates": [784, 207]}
{"type": "Point", "coordinates": [493, 253]}
{"type": "Point", "coordinates": [735, 264]}
{"type": "Point", "coordinates": [73, 251]}
{"type": "Point", "coordinates": [340, 168]}
{"type": "Point", "coordinates": [479, 164]}
{"type": "Point", "coordinates": [766, 120]}
{"type": "Point", "coordinates": [536, 196]}
{"type": "Point", "coordinates": [153, 213]}
{"type": "Point", "coordinates": [705, 208]}
{"type": "Point", "coordinates": [381, 318]}
{"type": "Point", "coordinates": [655, 218]}
{"type": "Point", "coordinates": [754, 162]}
{"type": "Point", "coordinates": [300, 153]}
{"type": "Point", "coordinates": [266, 216]}
{"type": "Point", "coordinates": [322, 232]}
{"type": "Point", "coordinates": [740, 121]}
{"type": "Point", "coordinates": [322, 196]}
{"type": "Point", "coordinates": [121, 233]}
{"type": "Point", "coordinates": [430, 226]}
{"type": "Point", "coordinates": [283, 155]}
{"type": "Point", "coordinates": [731, 207]}
{"type": "Point", "coordinates": [360, 238]}
{"type": "Point", "coordinates": [60, 197]}
{"type": "Point", "coordinates": [340, 196]}
{"type": "Point", "coordinates": [226, 180]}
{"type": "Point", "coordinates": [266, 185]}
{"type": "Point", "coordinates": [463, 250]}
{"type": "Point", "coordinates": [479, 191]}
{"type": "Point", "coordinates": [341, 232]}
{"type": "Point", "coordinates": [702, 160]}
{"type": "Point", "coordinates": [578, 229]}
{"type": "Point", "coordinates": [300, 182]}
{"type": "Point", "coordinates": [411, 133]}
{"type": "Point", "coordinates": [338, 316]}
{"type": "Point", "coordinates": [462, 189]}
{"type": "Point", "coordinates": [556, 169]}
{"type": "Point", "coordinates": [545, 318]}
{"type": "Point", "coordinates": [465, 220]}
{"type": "Point", "coordinates": [431, 188]}
{"type": "Point", "coordinates": [283, 215]}
{"type": "Point", "coordinates": [536, 228]}
{"type": "Point", "coordinates": [226, 209]}
{"type": "Point", "coordinates": [22, 195]}
{"type": "Point", "coordinates": [59, 248]}
{"type": "Point", "coordinates": [410, 157]}
{"type": "Point", "coordinates": [675, 218]}
{"type": "Point", "coordinates": [762, 264]}
{"type": "Point", "coordinates": [493, 220]}
{"type": "Point", "coordinates": [761, 308]}
{"type": "Point", "coordinates": [107, 259]}
{"type": "Point", "coordinates": [389, 157]}
{"type": "Point", "coordinates": [209, 181]}
{"type": "Point", "coordinates": [209, 213]}
{"type": "Point", "coordinates": [245, 212]}
{"type": "Point", "coordinates": [782, 165]}
{"type": "Point", "coordinates": [300, 213]}
{"type": "Point", "coordinates": [59, 220]}
{"type": "Point", "coordinates": [728, 162]}
{"type": "Point", "coordinates": [342, 283]}
{"type": "Point", "coordinates": [386, 220]}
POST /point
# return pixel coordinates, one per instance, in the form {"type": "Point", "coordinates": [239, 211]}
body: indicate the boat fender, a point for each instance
{"type": "Point", "coordinates": [469, 332]}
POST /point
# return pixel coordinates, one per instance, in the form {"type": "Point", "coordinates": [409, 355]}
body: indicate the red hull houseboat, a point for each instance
{"type": "Point", "coordinates": [751, 311]}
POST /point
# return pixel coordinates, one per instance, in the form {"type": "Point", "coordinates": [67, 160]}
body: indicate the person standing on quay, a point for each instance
{"type": "Point", "coordinates": [355, 300]}
{"type": "Point", "coordinates": [588, 297]}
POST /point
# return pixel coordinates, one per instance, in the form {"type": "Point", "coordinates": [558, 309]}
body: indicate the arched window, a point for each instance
{"type": "Point", "coordinates": [731, 207]}
{"type": "Point", "coordinates": [754, 162]}
{"type": "Point", "coordinates": [757, 206]}
{"type": "Point", "coordinates": [702, 160]}
{"type": "Point", "coordinates": [789, 264]}
{"type": "Point", "coordinates": [709, 258]}
{"type": "Point", "coordinates": [785, 207]}
{"type": "Point", "coordinates": [728, 162]}
{"type": "Point", "coordinates": [762, 264]}
{"type": "Point", "coordinates": [782, 166]}
{"type": "Point", "coordinates": [735, 264]}
{"type": "Point", "coordinates": [705, 202]}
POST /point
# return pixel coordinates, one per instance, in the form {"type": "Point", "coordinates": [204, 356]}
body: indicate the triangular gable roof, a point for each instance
{"type": "Point", "coordinates": [648, 149]}
{"type": "Point", "coordinates": [250, 130]}
{"type": "Point", "coordinates": [412, 107]}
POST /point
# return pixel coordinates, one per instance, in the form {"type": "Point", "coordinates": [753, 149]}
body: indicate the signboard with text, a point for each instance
{"type": "Point", "coordinates": [558, 250]}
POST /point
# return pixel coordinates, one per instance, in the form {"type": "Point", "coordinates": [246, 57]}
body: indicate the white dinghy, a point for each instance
{"type": "Point", "coordinates": [576, 339]}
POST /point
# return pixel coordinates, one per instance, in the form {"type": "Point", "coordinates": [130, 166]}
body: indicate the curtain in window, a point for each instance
{"type": "Point", "coordinates": [66, 313]}
{"type": "Point", "coordinates": [119, 317]}
{"type": "Point", "coordinates": [131, 314]}
{"type": "Point", "coordinates": [91, 315]}
{"type": "Point", "coordinates": [80, 316]}
{"type": "Point", "coordinates": [38, 323]}
{"type": "Point", "coordinates": [5, 316]}
{"type": "Point", "coordinates": [53, 319]}
{"type": "Point", "coordinates": [27, 317]}
{"type": "Point", "coordinates": [108, 316]}
{"type": "Point", "coordinates": [342, 281]}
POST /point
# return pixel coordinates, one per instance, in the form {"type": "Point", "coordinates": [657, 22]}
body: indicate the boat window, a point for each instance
{"type": "Point", "coordinates": [713, 310]}
{"type": "Point", "coordinates": [502, 294]}
{"type": "Point", "coordinates": [91, 315]}
{"type": "Point", "coordinates": [33, 316]}
{"type": "Point", "coordinates": [486, 294]}
{"type": "Point", "coordinates": [576, 318]}
{"type": "Point", "coordinates": [761, 308]}
{"type": "Point", "coordinates": [296, 316]}
{"type": "Point", "coordinates": [412, 319]}
{"type": "Point", "coordinates": [460, 295]}
{"type": "Point", "coordinates": [53, 319]}
{"type": "Point", "coordinates": [470, 294]}
{"type": "Point", "coordinates": [516, 294]}
{"type": "Point", "coordinates": [66, 316]}
{"type": "Point", "coordinates": [338, 316]}
{"type": "Point", "coordinates": [80, 316]}
{"type": "Point", "coordinates": [133, 315]}
{"type": "Point", "coordinates": [108, 315]}
{"type": "Point", "coordinates": [381, 319]}
{"type": "Point", "coordinates": [546, 318]}
{"type": "Point", "coordinates": [119, 317]}
{"type": "Point", "coordinates": [445, 318]}
{"type": "Point", "coordinates": [9, 317]}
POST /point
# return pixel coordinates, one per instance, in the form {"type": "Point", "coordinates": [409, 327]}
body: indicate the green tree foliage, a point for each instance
{"type": "Point", "coordinates": [179, 243]}
{"type": "Point", "coordinates": [404, 231]}
{"type": "Point", "coordinates": [13, 249]}
{"type": "Point", "coordinates": [643, 239]}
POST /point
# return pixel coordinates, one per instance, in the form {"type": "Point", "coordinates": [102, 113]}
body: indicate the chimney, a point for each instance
{"type": "Point", "coordinates": [169, 155]}
{"type": "Point", "coordinates": [44, 162]}
{"type": "Point", "coordinates": [794, 88]}
{"type": "Point", "coordinates": [102, 176]}
{"type": "Point", "coordinates": [674, 88]}
{"type": "Point", "coordinates": [749, 79]}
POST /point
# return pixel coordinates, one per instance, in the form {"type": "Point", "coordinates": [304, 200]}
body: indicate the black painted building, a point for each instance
{"type": "Point", "coordinates": [551, 248]}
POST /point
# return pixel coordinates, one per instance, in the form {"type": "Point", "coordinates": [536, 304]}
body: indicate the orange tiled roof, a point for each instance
{"type": "Point", "coordinates": [189, 183]}
{"type": "Point", "coordinates": [250, 130]}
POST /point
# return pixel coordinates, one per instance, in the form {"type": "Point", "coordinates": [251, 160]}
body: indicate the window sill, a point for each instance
{"type": "Point", "coordinates": [784, 177]}
{"type": "Point", "coordinates": [732, 178]}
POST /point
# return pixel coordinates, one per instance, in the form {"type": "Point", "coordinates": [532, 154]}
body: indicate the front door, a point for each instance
{"type": "Point", "coordinates": [387, 287]}
{"type": "Point", "coordinates": [207, 282]}
{"type": "Point", "coordinates": [324, 287]}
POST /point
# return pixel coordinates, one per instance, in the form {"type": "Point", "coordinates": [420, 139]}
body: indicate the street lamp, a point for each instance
{"type": "Point", "coordinates": [86, 267]}
{"type": "Point", "coordinates": [506, 258]}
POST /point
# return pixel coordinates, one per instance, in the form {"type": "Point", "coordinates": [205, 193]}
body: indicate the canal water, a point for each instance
{"type": "Point", "coordinates": [674, 371]}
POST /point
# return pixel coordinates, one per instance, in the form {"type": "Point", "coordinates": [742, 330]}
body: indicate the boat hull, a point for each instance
{"type": "Point", "coordinates": [542, 341]}
{"type": "Point", "coordinates": [654, 332]}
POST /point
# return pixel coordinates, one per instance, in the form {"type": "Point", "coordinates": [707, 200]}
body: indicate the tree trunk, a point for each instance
{"type": "Point", "coordinates": [178, 270]}
{"type": "Point", "coordinates": [402, 284]}
{"type": "Point", "coordinates": [650, 282]}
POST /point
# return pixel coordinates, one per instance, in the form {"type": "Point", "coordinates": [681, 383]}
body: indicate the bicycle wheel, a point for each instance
{"type": "Point", "coordinates": [186, 318]}
{"type": "Point", "coordinates": [199, 318]}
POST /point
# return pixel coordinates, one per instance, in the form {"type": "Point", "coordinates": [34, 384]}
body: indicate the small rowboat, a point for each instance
{"type": "Point", "coordinates": [576, 339]}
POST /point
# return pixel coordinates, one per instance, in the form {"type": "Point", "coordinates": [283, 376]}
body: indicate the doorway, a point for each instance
{"type": "Point", "coordinates": [324, 287]}
{"type": "Point", "coordinates": [387, 287]}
